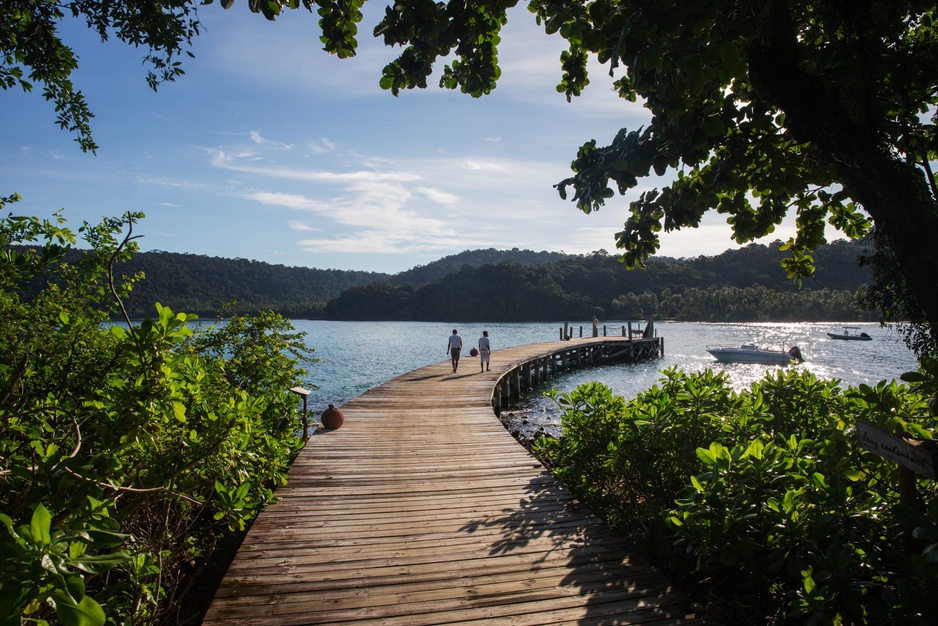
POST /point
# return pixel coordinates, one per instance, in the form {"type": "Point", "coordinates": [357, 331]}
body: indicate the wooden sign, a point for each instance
{"type": "Point", "coordinates": [918, 456]}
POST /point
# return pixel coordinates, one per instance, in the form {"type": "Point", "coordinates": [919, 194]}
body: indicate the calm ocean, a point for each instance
{"type": "Point", "coordinates": [356, 356]}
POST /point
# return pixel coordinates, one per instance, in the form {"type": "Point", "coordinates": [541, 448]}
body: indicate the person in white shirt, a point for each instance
{"type": "Point", "coordinates": [454, 348]}
{"type": "Point", "coordinates": [485, 349]}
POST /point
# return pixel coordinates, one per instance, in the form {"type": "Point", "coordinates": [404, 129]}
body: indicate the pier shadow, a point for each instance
{"type": "Point", "coordinates": [458, 375]}
{"type": "Point", "coordinates": [615, 582]}
{"type": "Point", "coordinates": [420, 378]}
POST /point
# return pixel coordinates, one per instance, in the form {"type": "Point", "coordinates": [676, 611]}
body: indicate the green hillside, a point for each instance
{"type": "Point", "coordinates": [741, 285]}
{"type": "Point", "coordinates": [508, 285]}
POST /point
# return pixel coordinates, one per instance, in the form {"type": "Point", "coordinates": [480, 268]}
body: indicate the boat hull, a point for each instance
{"type": "Point", "coordinates": [850, 337]}
{"type": "Point", "coordinates": [748, 355]}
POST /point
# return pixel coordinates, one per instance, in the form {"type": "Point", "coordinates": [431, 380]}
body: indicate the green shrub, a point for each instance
{"type": "Point", "coordinates": [765, 494]}
{"type": "Point", "coordinates": [126, 452]}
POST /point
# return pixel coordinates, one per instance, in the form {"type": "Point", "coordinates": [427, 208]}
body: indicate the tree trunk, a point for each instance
{"type": "Point", "coordinates": [895, 194]}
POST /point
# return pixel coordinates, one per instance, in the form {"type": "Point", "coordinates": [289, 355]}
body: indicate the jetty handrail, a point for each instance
{"type": "Point", "coordinates": [534, 370]}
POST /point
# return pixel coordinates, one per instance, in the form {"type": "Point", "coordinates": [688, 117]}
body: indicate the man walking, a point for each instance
{"type": "Point", "coordinates": [485, 349]}
{"type": "Point", "coordinates": [454, 348]}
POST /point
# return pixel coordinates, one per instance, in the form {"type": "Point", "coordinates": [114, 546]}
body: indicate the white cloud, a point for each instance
{"type": "Point", "coordinates": [295, 225]}
{"type": "Point", "coordinates": [475, 165]}
{"type": "Point", "coordinates": [321, 146]}
{"type": "Point", "coordinates": [258, 139]}
{"type": "Point", "coordinates": [438, 196]}
{"type": "Point", "coordinates": [232, 162]}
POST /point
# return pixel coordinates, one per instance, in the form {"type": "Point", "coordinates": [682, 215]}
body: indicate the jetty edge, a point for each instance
{"type": "Point", "coordinates": [423, 509]}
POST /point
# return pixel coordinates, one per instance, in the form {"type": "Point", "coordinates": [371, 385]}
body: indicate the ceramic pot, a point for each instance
{"type": "Point", "coordinates": [332, 418]}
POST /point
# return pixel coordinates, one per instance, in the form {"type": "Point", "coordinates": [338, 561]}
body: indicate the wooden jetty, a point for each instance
{"type": "Point", "coordinates": [423, 509]}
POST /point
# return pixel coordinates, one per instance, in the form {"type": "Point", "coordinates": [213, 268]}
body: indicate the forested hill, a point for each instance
{"type": "Point", "coordinates": [211, 286]}
{"type": "Point", "coordinates": [507, 285]}
{"type": "Point", "coordinates": [423, 274]}
{"type": "Point", "coordinates": [741, 285]}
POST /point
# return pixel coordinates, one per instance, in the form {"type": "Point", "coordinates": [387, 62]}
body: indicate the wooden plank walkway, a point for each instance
{"type": "Point", "coordinates": [423, 509]}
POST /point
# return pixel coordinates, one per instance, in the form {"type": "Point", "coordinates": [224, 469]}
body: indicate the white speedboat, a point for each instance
{"type": "Point", "coordinates": [856, 335]}
{"type": "Point", "coordinates": [749, 353]}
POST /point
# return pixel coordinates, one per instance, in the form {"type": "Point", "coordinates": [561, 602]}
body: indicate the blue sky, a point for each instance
{"type": "Point", "coordinates": [271, 149]}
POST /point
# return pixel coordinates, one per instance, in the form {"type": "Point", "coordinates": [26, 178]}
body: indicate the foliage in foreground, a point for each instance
{"type": "Point", "coordinates": [764, 495]}
{"type": "Point", "coordinates": [127, 453]}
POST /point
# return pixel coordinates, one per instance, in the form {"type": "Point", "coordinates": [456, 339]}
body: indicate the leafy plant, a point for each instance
{"type": "Point", "coordinates": [41, 565]}
{"type": "Point", "coordinates": [127, 452]}
{"type": "Point", "coordinates": [765, 494]}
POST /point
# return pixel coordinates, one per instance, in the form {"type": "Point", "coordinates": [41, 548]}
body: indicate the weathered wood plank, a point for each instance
{"type": "Point", "coordinates": [422, 509]}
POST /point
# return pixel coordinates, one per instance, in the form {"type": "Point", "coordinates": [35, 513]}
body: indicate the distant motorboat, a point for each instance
{"type": "Point", "coordinates": [749, 353]}
{"type": "Point", "coordinates": [856, 335]}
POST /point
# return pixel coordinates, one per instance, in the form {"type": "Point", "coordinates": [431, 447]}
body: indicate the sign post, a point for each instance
{"type": "Point", "coordinates": [911, 455]}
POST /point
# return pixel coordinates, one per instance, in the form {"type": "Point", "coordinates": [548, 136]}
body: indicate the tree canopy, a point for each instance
{"type": "Point", "coordinates": [759, 109]}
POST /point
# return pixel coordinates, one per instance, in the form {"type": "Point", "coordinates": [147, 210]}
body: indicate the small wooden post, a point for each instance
{"type": "Point", "coordinates": [303, 392]}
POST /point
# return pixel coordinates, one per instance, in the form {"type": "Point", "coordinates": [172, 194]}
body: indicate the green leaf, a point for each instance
{"type": "Point", "coordinates": [179, 411]}
{"type": "Point", "coordinates": [105, 539]}
{"type": "Point", "coordinates": [40, 525]}
{"type": "Point", "coordinates": [75, 586]}
{"type": "Point", "coordinates": [809, 584]}
{"type": "Point", "coordinates": [100, 563]}
{"type": "Point", "coordinates": [706, 456]}
{"type": "Point", "coordinates": [6, 521]}
{"type": "Point", "coordinates": [755, 449]}
{"type": "Point", "coordinates": [84, 613]}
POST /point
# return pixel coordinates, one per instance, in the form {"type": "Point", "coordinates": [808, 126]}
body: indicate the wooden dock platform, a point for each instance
{"type": "Point", "coordinates": [423, 509]}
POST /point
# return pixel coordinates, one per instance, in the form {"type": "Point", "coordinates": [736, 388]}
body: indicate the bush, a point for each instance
{"type": "Point", "coordinates": [765, 496]}
{"type": "Point", "coordinates": [126, 453]}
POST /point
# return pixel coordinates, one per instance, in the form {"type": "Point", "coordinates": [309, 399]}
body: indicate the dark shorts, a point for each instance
{"type": "Point", "coordinates": [454, 352]}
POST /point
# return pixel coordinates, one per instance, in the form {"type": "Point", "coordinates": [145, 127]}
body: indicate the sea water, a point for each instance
{"type": "Point", "coordinates": [356, 356]}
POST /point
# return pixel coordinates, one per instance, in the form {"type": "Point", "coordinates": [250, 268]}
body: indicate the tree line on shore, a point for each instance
{"type": "Point", "coordinates": [741, 285]}
{"type": "Point", "coordinates": [746, 284]}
